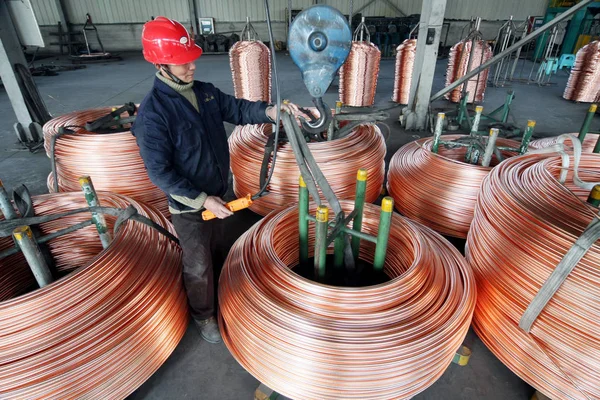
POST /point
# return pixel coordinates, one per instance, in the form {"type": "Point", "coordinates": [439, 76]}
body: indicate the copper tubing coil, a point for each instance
{"type": "Point", "coordinates": [458, 63]}
{"type": "Point", "coordinates": [438, 190]}
{"type": "Point", "coordinates": [308, 340]}
{"type": "Point", "coordinates": [587, 146]}
{"type": "Point", "coordinates": [358, 75]}
{"type": "Point", "coordinates": [112, 160]}
{"type": "Point", "coordinates": [405, 59]}
{"type": "Point", "coordinates": [250, 63]}
{"type": "Point", "coordinates": [339, 160]}
{"type": "Point", "coordinates": [525, 222]}
{"type": "Point", "coordinates": [584, 81]}
{"type": "Point", "coordinates": [107, 324]}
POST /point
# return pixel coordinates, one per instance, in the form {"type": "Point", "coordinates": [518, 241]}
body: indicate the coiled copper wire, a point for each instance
{"type": "Point", "coordinates": [438, 190]}
{"type": "Point", "coordinates": [308, 340]}
{"type": "Point", "coordinates": [587, 146]}
{"type": "Point", "coordinates": [525, 222]}
{"type": "Point", "coordinates": [358, 75]}
{"type": "Point", "coordinates": [102, 330]}
{"type": "Point", "coordinates": [405, 60]}
{"type": "Point", "coordinates": [339, 160]}
{"type": "Point", "coordinates": [250, 62]}
{"type": "Point", "coordinates": [458, 63]}
{"type": "Point", "coordinates": [112, 160]}
{"type": "Point", "coordinates": [584, 81]}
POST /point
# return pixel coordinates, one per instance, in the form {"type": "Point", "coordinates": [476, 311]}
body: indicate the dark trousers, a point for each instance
{"type": "Point", "coordinates": [202, 252]}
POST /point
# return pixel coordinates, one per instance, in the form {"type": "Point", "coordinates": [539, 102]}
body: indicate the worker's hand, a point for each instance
{"type": "Point", "coordinates": [286, 106]}
{"type": "Point", "coordinates": [216, 205]}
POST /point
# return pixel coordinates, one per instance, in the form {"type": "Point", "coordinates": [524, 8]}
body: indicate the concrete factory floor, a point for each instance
{"type": "Point", "coordinates": [196, 369]}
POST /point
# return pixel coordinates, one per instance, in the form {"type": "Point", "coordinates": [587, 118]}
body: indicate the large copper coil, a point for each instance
{"type": "Point", "coordinates": [405, 60]}
{"type": "Point", "coordinates": [103, 328]}
{"type": "Point", "coordinates": [250, 62]}
{"type": "Point", "coordinates": [339, 160]}
{"type": "Point", "coordinates": [439, 190]}
{"type": "Point", "coordinates": [463, 60]}
{"type": "Point", "coordinates": [358, 75]}
{"type": "Point", "coordinates": [308, 340]}
{"type": "Point", "coordinates": [112, 160]}
{"type": "Point", "coordinates": [584, 81]}
{"type": "Point", "coordinates": [525, 222]}
{"type": "Point", "coordinates": [587, 146]}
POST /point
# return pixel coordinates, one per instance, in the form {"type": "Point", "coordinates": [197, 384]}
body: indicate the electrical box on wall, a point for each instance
{"type": "Point", "coordinates": [207, 26]}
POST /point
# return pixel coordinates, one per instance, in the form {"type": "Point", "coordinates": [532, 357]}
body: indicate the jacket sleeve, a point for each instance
{"type": "Point", "coordinates": [240, 111]}
{"type": "Point", "coordinates": [156, 150]}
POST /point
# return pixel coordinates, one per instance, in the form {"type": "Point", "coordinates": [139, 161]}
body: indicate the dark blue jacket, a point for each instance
{"type": "Point", "coordinates": [185, 151]}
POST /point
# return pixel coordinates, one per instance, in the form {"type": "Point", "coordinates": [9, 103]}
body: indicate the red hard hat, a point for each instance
{"type": "Point", "coordinates": [165, 41]}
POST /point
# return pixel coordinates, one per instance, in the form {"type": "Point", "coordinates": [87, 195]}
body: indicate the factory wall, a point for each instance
{"type": "Point", "coordinates": [120, 22]}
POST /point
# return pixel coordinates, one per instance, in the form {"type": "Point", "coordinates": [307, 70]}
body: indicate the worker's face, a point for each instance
{"type": "Point", "coordinates": [185, 72]}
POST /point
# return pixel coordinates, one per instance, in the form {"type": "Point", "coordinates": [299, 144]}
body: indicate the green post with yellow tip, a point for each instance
{"type": "Point", "coordinates": [594, 197]}
{"type": "Point", "coordinates": [587, 122]}
{"type": "Point", "coordinates": [29, 246]}
{"type": "Point", "coordinates": [359, 206]}
{"type": "Point", "coordinates": [303, 220]}
{"type": "Point", "coordinates": [437, 133]}
{"type": "Point", "coordinates": [92, 200]}
{"type": "Point", "coordinates": [383, 234]}
{"type": "Point", "coordinates": [527, 137]}
{"type": "Point", "coordinates": [322, 223]}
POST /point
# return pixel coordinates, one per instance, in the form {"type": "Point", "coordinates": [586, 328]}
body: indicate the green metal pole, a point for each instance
{"type": "Point", "coordinates": [474, 130]}
{"type": "Point", "coordinates": [28, 245]}
{"type": "Point", "coordinates": [507, 102]}
{"type": "Point", "coordinates": [462, 106]}
{"type": "Point", "coordinates": [594, 198]}
{"type": "Point", "coordinates": [303, 220]}
{"type": "Point", "coordinates": [6, 205]}
{"type": "Point", "coordinates": [437, 133]}
{"type": "Point", "coordinates": [527, 137]}
{"type": "Point", "coordinates": [359, 205]}
{"type": "Point", "coordinates": [338, 251]}
{"type": "Point", "coordinates": [383, 233]}
{"type": "Point", "coordinates": [92, 199]}
{"type": "Point", "coordinates": [587, 122]}
{"type": "Point", "coordinates": [597, 146]}
{"type": "Point", "coordinates": [321, 241]}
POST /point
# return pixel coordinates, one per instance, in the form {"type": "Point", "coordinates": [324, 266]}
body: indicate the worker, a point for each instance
{"type": "Point", "coordinates": [180, 133]}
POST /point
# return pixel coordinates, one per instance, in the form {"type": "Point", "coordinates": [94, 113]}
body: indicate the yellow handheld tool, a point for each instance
{"type": "Point", "coordinates": [235, 205]}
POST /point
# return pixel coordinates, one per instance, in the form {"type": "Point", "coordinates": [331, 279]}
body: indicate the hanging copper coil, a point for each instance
{"type": "Point", "coordinates": [458, 63]}
{"type": "Point", "coordinates": [587, 146]}
{"type": "Point", "coordinates": [525, 222]}
{"type": "Point", "coordinates": [405, 59]}
{"type": "Point", "coordinates": [112, 160]}
{"type": "Point", "coordinates": [103, 329]}
{"type": "Point", "coordinates": [339, 160]}
{"type": "Point", "coordinates": [308, 340]}
{"type": "Point", "coordinates": [584, 81]}
{"type": "Point", "coordinates": [438, 190]}
{"type": "Point", "coordinates": [358, 75]}
{"type": "Point", "coordinates": [250, 62]}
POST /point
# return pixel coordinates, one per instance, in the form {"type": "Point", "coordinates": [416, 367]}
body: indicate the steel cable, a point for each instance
{"type": "Point", "coordinates": [103, 329]}
{"type": "Point", "coordinates": [308, 340]}
{"type": "Point", "coordinates": [438, 190]}
{"type": "Point", "coordinates": [111, 159]}
{"type": "Point", "coordinates": [339, 159]}
{"type": "Point", "coordinates": [525, 222]}
{"type": "Point", "coordinates": [405, 60]}
{"type": "Point", "coordinates": [250, 62]}
{"type": "Point", "coordinates": [587, 146]}
{"type": "Point", "coordinates": [358, 75]}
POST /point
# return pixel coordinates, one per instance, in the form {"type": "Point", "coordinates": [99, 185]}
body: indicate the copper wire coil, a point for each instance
{"type": "Point", "coordinates": [112, 160]}
{"type": "Point", "coordinates": [103, 329]}
{"type": "Point", "coordinates": [438, 190]}
{"type": "Point", "coordinates": [587, 146]}
{"type": "Point", "coordinates": [405, 60]}
{"type": "Point", "coordinates": [584, 81]}
{"type": "Point", "coordinates": [525, 222]}
{"type": "Point", "coordinates": [250, 63]}
{"type": "Point", "coordinates": [458, 63]}
{"type": "Point", "coordinates": [358, 75]}
{"type": "Point", "coordinates": [308, 340]}
{"type": "Point", "coordinates": [339, 160]}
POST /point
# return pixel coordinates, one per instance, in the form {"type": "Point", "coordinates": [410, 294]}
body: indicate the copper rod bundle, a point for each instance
{"type": "Point", "coordinates": [339, 160]}
{"type": "Point", "coordinates": [525, 222]}
{"type": "Point", "coordinates": [459, 61]}
{"type": "Point", "coordinates": [584, 81]}
{"type": "Point", "coordinates": [438, 190]}
{"type": "Point", "coordinates": [308, 340]}
{"type": "Point", "coordinates": [250, 62]}
{"type": "Point", "coordinates": [405, 59]}
{"type": "Point", "coordinates": [112, 160]}
{"type": "Point", "coordinates": [587, 146]}
{"type": "Point", "coordinates": [358, 75]}
{"type": "Point", "coordinates": [102, 330]}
